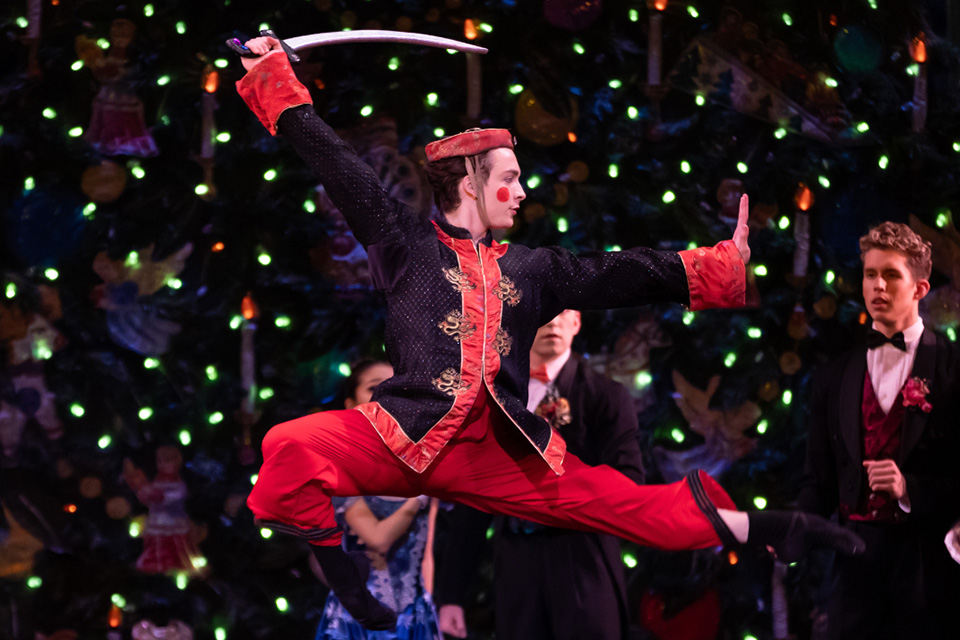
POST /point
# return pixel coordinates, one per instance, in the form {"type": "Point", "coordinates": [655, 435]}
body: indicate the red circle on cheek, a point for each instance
{"type": "Point", "coordinates": [503, 194]}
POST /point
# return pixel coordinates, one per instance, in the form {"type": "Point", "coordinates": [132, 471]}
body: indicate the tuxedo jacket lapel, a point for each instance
{"type": "Point", "coordinates": [915, 420]}
{"type": "Point", "coordinates": [564, 379]}
{"type": "Point", "coordinates": [851, 394]}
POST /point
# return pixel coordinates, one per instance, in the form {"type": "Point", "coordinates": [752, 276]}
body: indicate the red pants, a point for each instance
{"type": "Point", "coordinates": [487, 465]}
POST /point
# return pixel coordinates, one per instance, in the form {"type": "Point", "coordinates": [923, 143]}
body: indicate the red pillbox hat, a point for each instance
{"type": "Point", "coordinates": [469, 143]}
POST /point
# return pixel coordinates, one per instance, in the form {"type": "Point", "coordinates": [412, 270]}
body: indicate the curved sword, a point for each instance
{"type": "Point", "coordinates": [378, 35]}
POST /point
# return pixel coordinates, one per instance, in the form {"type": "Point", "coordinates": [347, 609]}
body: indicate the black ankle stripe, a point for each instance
{"type": "Point", "coordinates": [709, 509]}
{"type": "Point", "coordinates": [314, 533]}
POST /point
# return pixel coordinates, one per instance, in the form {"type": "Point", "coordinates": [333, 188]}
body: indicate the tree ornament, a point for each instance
{"type": "Point", "coordinates": [116, 124]}
{"type": "Point", "coordinates": [104, 182]}
{"type": "Point", "coordinates": [168, 543]}
{"type": "Point", "coordinates": [790, 363]}
{"type": "Point", "coordinates": [175, 630]}
{"type": "Point", "coordinates": [117, 508]}
{"type": "Point", "coordinates": [858, 50]}
{"type": "Point", "coordinates": [541, 127]}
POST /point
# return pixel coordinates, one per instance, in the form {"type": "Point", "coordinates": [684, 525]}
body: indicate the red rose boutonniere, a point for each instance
{"type": "Point", "coordinates": [915, 394]}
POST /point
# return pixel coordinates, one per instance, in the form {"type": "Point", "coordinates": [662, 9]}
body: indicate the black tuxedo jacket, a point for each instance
{"type": "Point", "coordinates": [603, 430]}
{"type": "Point", "coordinates": [924, 585]}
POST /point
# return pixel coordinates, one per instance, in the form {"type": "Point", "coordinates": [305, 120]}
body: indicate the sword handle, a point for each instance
{"type": "Point", "coordinates": [236, 45]}
{"type": "Point", "coordinates": [291, 54]}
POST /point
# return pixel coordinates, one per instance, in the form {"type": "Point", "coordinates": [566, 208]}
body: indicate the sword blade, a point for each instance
{"type": "Point", "coordinates": [378, 35]}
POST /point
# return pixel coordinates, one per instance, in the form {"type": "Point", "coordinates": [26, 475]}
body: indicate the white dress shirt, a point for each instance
{"type": "Point", "coordinates": [889, 367]}
{"type": "Point", "coordinates": [537, 388]}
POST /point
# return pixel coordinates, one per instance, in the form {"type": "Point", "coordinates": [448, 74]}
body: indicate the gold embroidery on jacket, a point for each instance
{"type": "Point", "coordinates": [508, 292]}
{"type": "Point", "coordinates": [503, 342]}
{"type": "Point", "coordinates": [450, 382]}
{"type": "Point", "coordinates": [457, 326]}
{"type": "Point", "coordinates": [459, 280]}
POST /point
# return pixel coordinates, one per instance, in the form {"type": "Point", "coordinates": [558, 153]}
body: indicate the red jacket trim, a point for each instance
{"type": "Point", "coordinates": [270, 88]}
{"type": "Point", "coordinates": [716, 276]}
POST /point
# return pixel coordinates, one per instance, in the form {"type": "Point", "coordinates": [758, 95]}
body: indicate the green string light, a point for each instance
{"type": "Point", "coordinates": [762, 426]}
{"type": "Point", "coordinates": [629, 560]}
{"type": "Point", "coordinates": [134, 530]}
{"type": "Point", "coordinates": [34, 582]}
{"type": "Point", "coordinates": [118, 600]}
{"type": "Point", "coordinates": [742, 167]}
{"type": "Point", "coordinates": [215, 418]}
{"type": "Point", "coordinates": [212, 373]}
{"type": "Point", "coordinates": [29, 184]}
{"type": "Point", "coordinates": [145, 413]}
{"type": "Point", "coordinates": [266, 534]}
{"type": "Point", "coordinates": [22, 22]}
{"type": "Point", "coordinates": [692, 10]}
{"type": "Point", "coordinates": [562, 225]}
{"type": "Point", "coordinates": [688, 317]}
{"type": "Point", "coordinates": [515, 89]}
{"type": "Point", "coordinates": [634, 15]}
{"type": "Point", "coordinates": [677, 434]}
{"type": "Point", "coordinates": [578, 48]}
{"type": "Point", "coordinates": [439, 133]}
{"type": "Point", "coordinates": [182, 580]}
{"type": "Point", "coordinates": [264, 258]}
{"type": "Point", "coordinates": [148, 10]}
{"type": "Point", "coordinates": [282, 605]}
{"type": "Point", "coordinates": [829, 277]}
{"type": "Point", "coordinates": [89, 210]}
{"type": "Point", "coordinates": [432, 99]}
{"type": "Point", "coordinates": [787, 397]}
{"type": "Point", "coordinates": [824, 182]}
{"type": "Point", "coordinates": [266, 393]}
{"type": "Point", "coordinates": [883, 162]}
{"type": "Point", "coordinates": [201, 189]}
{"type": "Point", "coordinates": [223, 136]}
{"type": "Point", "coordinates": [730, 360]}
{"type": "Point", "coordinates": [220, 633]}
{"type": "Point", "coordinates": [270, 175]}
{"type": "Point", "coordinates": [104, 441]}
{"type": "Point", "coordinates": [133, 259]}
{"type": "Point", "coordinates": [831, 82]}
{"type": "Point", "coordinates": [784, 222]}
{"type": "Point", "coordinates": [75, 132]}
{"type": "Point", "coordinates": [77, 410]}
{"type": "Point", "coordinates": [393, 64]}
{"type": "Point", "coordinates": [615, 84]}
{"type": "Point", "coordinates": [174, 283]}
{"type": "Point", "coordinates": [754, 332]}
{"type": "Point", "coordinates": [685, 166]}
{"type": "Point", "coordinates": [633, 113]}
{"type": "Point", "coordinates": [221, 63]}
{"type": "Point", "coordinates": [780, 133]}
{"type": "Point", "coordinates": [613, 171]}
{"type": "Point", "coordinates": [700, 100]}
{"type": "Point", "coordinates": [151, 363]}
{"type": "Point", "coordinates": [943, 218]}
{"type": "Point", "coordinates": [236, 321]}
{"type": "Point", "coordinates": [344, 369]}
{"type": "Point", "coordinates": [642, 380]}
{"type": "Point", "coordinates": [952, 334]}
{"type": "Point", "coordinates": [366, 111]}
{"type": "Point", "coordinates": [309, 206]}
{"type": "Point", "coordinates": [49, 113]}
{"type": "Point", "coordinates": [533, 181]}
{"type": "Point", "coordinates": [11, 290]}
{"type": "Point", "coordinates": [863, 127]}
{"type": "Point", "coordinates": [163, 81]}
{"type": "Point", "coordinates": [138, 172]}
{"type": "Point", "coordinates": [486, 28]}
{"type": "Point", "coordinates": [51, 273]}
{"type": "Point", "coordinates": [787, 19]}
{"type": "Point", "coordinates": [760, 502]}
{"type": "Point", "coordinates": [185, 438]}
{"type": "Point", "coordinates": [181, 27]}
{"type": "Point", "coordinates": [760, 270]}
{"type": "Point", "coordinates": [283, 321]}
{"type": "Point", "coordinates": [668, 197]}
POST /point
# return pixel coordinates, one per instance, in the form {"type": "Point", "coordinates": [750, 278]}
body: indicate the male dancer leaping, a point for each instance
{"type": "Point", "coordinates": [462, 313]}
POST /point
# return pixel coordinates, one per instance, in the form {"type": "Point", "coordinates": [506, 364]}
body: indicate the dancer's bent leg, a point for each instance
{"type": "Point", "coordinates": [306, 462]}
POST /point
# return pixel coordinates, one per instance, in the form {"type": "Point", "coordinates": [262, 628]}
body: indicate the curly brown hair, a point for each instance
{"type": "Point", "coordinates": [445, 175]}
{"type": "Point", "coordinates": [896, 236]}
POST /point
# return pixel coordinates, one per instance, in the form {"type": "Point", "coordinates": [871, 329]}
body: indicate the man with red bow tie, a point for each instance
{"type": "Point", "coordinates": [882, 453]}
{"type": "Point", "coordinates": [549, 583]}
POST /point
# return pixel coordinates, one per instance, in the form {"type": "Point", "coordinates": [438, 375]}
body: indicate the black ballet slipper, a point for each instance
{"type": "Point", "coordinates": [793, 534]}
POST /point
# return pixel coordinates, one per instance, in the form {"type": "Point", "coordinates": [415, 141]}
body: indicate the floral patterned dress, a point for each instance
{"type": "Point", "coordinates": [395, 581]}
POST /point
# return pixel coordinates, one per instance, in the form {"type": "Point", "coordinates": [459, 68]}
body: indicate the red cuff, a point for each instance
{"type": "Point", "coordinates": [716, 276]}
{"type": "Point", "coordinates": [270, 88]}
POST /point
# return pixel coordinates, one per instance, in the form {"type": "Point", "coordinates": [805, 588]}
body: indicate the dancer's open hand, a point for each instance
{"type": "Point", "coordinates": [741, 234]}
{"type": "Point", "coordinates": [260, 46]}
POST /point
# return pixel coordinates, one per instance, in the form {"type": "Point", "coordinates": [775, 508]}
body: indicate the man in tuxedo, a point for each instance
{"type": "Point", "coordinates": [552, 583]}
{"type": "Point", "coordinates": [883, 453]}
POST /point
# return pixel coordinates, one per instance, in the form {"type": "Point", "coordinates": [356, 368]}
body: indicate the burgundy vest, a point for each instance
{"type": "Point", "coordinates": [881, 441]}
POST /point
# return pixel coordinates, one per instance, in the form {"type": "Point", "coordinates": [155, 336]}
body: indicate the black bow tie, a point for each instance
{"type": "Point", "coordinates": [876, 339]}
